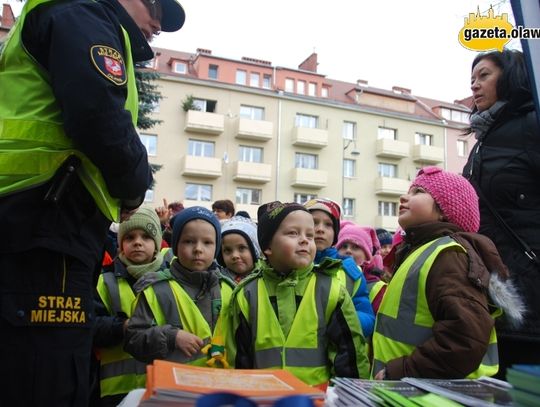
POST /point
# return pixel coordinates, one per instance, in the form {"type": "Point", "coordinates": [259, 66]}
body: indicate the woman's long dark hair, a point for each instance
{"type": "Point", "coordinates": [513, 85]}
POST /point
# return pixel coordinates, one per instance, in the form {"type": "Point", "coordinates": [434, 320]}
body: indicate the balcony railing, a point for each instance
{"type": "Point", "coordinates": [204, 122]}
{"type": "Point", "coordinates": [428, 154]}
{"type": "Point", "coordinates": [259, 130]}
{"type": "Point", "coordinates": [306, 178]}
{"type": "Point", "coordinates": [392, 148]}
{"type": "Point", "coordinates": [391, 186]}
{"type": "Point", "coordinates": [252, 172]}
{"type": "Point", "coordinates": [308, 137]}
{"type": "Point", "coordinates": [204, 167]}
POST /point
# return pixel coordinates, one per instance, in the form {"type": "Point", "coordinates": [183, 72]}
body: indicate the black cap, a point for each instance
{"type": "Point", "coordinates": [173, 15]}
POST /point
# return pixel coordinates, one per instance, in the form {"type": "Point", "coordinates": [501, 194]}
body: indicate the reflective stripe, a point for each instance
{"type": "Point", "coordinates": [122, 367]}
{"type": "Point", "coordinates": [169, 309]}
{"type": "Point", "coordinates": [491, 358]}
{"type": "Point", "coordinates": [407, 331]}
{"type": "Point", "coordinates": [114, 292]}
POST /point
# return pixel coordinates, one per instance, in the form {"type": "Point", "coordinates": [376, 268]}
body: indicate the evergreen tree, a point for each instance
{"type": "Point", "coordinates": [149, 96]}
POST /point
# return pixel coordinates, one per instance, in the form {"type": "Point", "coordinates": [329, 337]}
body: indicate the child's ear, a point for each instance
{"type": "Point", "coordinates": [267, 252]}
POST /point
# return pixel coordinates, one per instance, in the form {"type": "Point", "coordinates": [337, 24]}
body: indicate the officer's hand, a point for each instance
{"type": "Point", "coordinates": [188, 343]}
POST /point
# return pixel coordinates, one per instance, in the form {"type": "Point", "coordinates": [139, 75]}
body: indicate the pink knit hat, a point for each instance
{"type": "Point", "coordinates": [352, 233]}
{"type": "Point", "coordinates": [454, 194]}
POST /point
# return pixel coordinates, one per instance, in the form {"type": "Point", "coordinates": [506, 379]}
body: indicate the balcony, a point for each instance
{"type": "Point", "coordinates": [428, 154]}
{"type": "Point", "coordinates": [389, 223]}
{"type": "Point", "coordinates": [391, 186]}
{"type": "Point", "coordinates": [258, 130]}
{"type": "Point", "coordinates": [258, 173]}
{"type": "Point", "coordinates": [203, 167]}
{"type": "Point", "coordinates": [305, 178]}
{"type": "Point", "coordinates": [392, 148]}
{"type": "Point", "coordinates": [204, 122]}
{"type": "Point", "coordinates": [308, 137]}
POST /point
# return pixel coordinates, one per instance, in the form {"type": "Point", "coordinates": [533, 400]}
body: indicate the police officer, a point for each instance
{"type": "Point", "coordinates": [70, 162]}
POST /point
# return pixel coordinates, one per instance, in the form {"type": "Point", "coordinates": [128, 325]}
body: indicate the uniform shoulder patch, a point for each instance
{"type": "Point", "coordinates": [110, 63]}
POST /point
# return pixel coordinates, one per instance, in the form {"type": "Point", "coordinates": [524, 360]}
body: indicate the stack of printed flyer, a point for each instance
{"type": "Point", "coordinates": [411, 392]}
{"type": "Point", "coordinates": [525, 380]}
{"type": "Point", "coordinates": [176, 384]}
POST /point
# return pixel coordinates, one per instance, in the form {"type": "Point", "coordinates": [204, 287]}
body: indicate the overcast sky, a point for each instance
{"type": "Point", "coordinates": [412, 44]}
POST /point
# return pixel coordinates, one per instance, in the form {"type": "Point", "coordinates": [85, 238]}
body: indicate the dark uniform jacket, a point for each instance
{"type": "Point", "coordinates": [505, 165]}
{"type": "Point", "coordinates": [59, 37]}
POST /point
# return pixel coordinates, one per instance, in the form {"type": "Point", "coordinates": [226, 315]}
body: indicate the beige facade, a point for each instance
{"type": "Point", "coordinates": [356, 145]}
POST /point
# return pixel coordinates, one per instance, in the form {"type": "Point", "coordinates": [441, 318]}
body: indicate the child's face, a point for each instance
{"type": "Point", "coordinates": [138, 246]}
{"type": "Point", "coordinates": [293, 245]}
{"type": "Point", "coordinates": [197, 245]}
{"type": "Point", "coordinates": [385, 249]}
{"type": "Point", "coordinates": [417, 207]}
{"type": "Point", "coordinates": [236, 253]}
{"type": "Point", "coordinates": [353, 250]}
{"type": "Point", "coordinates": [324, 229]}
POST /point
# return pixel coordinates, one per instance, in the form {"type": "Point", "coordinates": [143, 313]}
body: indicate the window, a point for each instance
{"type": "Point", "coordinates": [446, 113]}
{"type": "Point", "coordinates": [348, 207]}
{"type": "Point", "coordinates": [180, 67]}
{"type": "Point", "coordinates": [423, 139]}
{"type": "Point", "coordinates": [304, 120]}
{"type": "Point", "coordinates": [387, 208]}
{"type": "Point", "coordinates": [312, 89]}
{"type": "Point", "coordinates": [198, 192]}
{"type": "Point", "coordinates": [303, 198]}
{"type": "Point", "coordinates": [324, 92]}
{"type": "Point", "coordinates": [289, 85]}
{"type": "Point", "coordinates": [149, 195]}
{"type": "Point", "coordinates": [267, 81]}
{"type": "Point", "coordinates": [248, 196]}
{"type": "Point", "coordinates": [250, 154]}
{"type": "Point", "coordinates": [205, 105]}
{"type": "Point", "coordinates": [254, 79]}
{"type": "Point", "coordinates": [308, 161]}
{"type": "Point", "coordinates": [241, 77]}
{"type": "Point", "coordinates": [458, 116]}
{"type": "Point", "coordinates": [387, 170]}
{"type": "Point", "coordinates": [462, 149]}
{"type": "Point", "coordinates": [301, 87]}
{"type": "Point", "coordinates": [252, 112]}
{"type": "Point", "coordinates": [387, 133]}
{"type": "Point", "coordinates": [200, 148]}
{"type": "Point", "coordinates": [349, 130]}
{"type": "Point", "coordinates": [150, 142]}
{"type": "Point", "coordinates": [349, 168]}
{"type": "Point", "coordinates": [150, 64]}
{"type": "Point", "coordinates": [212, 71]}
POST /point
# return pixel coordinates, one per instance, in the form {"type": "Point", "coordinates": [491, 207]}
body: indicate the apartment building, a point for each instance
{"type": "Point", "coordinates": [253, 133]}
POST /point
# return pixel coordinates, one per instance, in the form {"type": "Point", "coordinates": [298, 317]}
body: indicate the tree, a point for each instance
{"type": "Point", "coordinates": [149, 96]}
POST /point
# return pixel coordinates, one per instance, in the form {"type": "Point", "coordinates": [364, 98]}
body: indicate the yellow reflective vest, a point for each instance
{"type": "Point", "coordinates": [119, 371]}
{"type": "Point", "coordinates": [33, 144]}
{"type": "Point", "coordinates": [303, 352]}
{"type": "Point", "coordinates": [171, 304]}
{"type": "Point", "coordinates": [400, 327]}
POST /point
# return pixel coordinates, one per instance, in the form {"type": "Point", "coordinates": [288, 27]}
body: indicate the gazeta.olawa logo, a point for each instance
{"type": "Point", "coordinates": [491, 32]}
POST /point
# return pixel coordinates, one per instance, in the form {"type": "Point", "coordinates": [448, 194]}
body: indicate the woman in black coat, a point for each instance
{"type": "Point", "coordinates": [504, 167]}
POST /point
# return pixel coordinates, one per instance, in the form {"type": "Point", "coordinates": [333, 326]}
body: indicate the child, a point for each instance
{"type": "Point", "coordinates": [139, 241]}
{"type": "Point", "coordinates": [355, 242]}
{"type": "Point", "coordinates": [290, 314]}
{"type": "Point", "coordinates": [326, 215]}
{"type": "Point", "coordinates": [240, 250]}
{"type": "Point", "coordinates": [385, 240]}
{"type": "Point", "coordinates": [436, 319]}
{"type": "Point", "coordinates": [177, 312]}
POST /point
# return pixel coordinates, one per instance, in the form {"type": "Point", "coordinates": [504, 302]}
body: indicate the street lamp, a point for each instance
{"type": "Point", "coordinates": [354, 153]}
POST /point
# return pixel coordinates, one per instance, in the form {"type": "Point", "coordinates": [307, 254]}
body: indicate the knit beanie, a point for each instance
{"type": "Point", "coordinates": [247, 229]}
{"type": "Point", "coordinates": [270, 216]}
{"type": "Point", "coordinates": [186, 215]}
{"type": "Point", "coordinates": [357, 235]}
{"type": "Point", "coordinates": [145, 219]}
{"type": "Point", "coordinates": [384, 236]}
{"type": "Point", "coordinates": [331, 208]}
{"type": "Point", "coordinates": [454, 195]}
